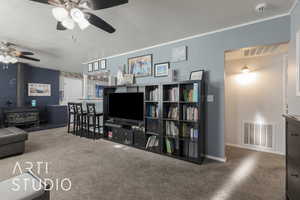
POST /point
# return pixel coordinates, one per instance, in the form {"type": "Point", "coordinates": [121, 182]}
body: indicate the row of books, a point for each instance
{"type": "Point", "coordinates": [190, 132]}
{"type": "Point", "coordinates": [173, 112]}
{"type": "Point", "coordinates": [171, 146]}
{"type": "Point", "coordinates": [190, 113]}
{"type": "Point", "coordinates": [153, 141]}
{"type": "Point", "coordinates": [152, 110]}
{"type": "Point", "coordinates": [172, 94]}
{"type": "Point", "coordinates": [172, 129]}
{"type": "Point", "coordinates": [191, 94]}
{"type": "Point", "coordinates": [191, 150]}
{"type": "Point", "coordinates": [153, 95]}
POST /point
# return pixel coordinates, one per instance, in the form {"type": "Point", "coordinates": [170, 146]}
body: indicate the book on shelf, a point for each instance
{"type": "Point", "coordinates": [153, 141]}
{"type": "Point", "coordinates": [191, 94]}
{"type": "Point", "coordinates": [152, 110]}
{"type": "Point", "coordinates": [173, 112]}
{"type": "Point", "coordinates": [172, 129]}
{"type": "Point", "coordinates": [190, 132]}
{"type": "Point", "coordinates": [153, 94]}
{"type": "Point", "coordinates": [190, 113]}
{"type": "Point", "coordinates": [172, 94]}
{"type": "Point", "coordinates": [191, 150]}
{"type": "Point", "coordinates": [171, 145]}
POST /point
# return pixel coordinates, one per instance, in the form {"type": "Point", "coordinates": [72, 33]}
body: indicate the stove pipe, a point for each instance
{"type": "Point", "coordinates": [20, 85]}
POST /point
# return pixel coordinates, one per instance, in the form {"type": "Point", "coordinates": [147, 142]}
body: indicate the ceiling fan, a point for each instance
{"type": "Point", "coordinates": [9, 54]}
{"type": "Point", "coordinates": [68, 13]}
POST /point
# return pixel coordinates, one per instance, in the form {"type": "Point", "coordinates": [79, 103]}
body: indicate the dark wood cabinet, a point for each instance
{"type": "Point", "coordinates": [293, 157]}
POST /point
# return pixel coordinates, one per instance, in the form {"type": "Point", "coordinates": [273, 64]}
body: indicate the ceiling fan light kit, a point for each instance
{"type": "Point", "coordinates": [68, 18]}
{"type": "Point", "coordinates": [68, 13]}
{"type": "Point", "coordinates": [10, 55]}
{"type": "Point", "coordinates": [6, 59]}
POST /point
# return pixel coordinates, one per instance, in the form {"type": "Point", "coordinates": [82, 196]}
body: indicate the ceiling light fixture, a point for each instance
{"type": "Point", "coordinates": [245, 70]}
{"type": "Point", "coordinates": [60, 14]}
{"type": "Point", "coordinates": [68, 23]}
{"type": "Point", "coordinates": [7, 59]}
{"type": "Point", "coordinates": [78, 16]}
{"type": "Point", "coordinates": [260, 8]}
{"type": "Point", "coordinates": [68, 18]}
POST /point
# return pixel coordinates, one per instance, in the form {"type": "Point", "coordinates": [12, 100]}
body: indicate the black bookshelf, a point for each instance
{"type": "Point", "coordinates": [174, 120]}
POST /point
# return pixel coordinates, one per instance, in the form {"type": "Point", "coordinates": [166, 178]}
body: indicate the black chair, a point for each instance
{"type": "Point", "coordinates": [92, 114]}
{"type": "Point", "coordinates": [81, 120]}
{"type": "Point", "coordinates": [71, 115]}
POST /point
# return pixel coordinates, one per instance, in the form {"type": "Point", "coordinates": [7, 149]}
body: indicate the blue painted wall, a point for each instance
{"type": "Point", "coordinates": [207, 52]}
{"type": "Point", "coordinates": [44, 76]}
{"type": "Point", "coordinates": [8, 85]}
{"type": "Point", "coordinates": [32, 75]}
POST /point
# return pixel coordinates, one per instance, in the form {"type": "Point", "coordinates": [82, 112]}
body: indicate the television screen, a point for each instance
{"type": "Point", "coordinates": [128, 106]}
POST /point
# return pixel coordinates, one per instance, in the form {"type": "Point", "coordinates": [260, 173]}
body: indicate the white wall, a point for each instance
{"type": "Point", "coordinates": [257, 99]}
{"type": "Point", "coordinates": [72, 89]}
{"type": "Point", "coordinates": [293, 100]}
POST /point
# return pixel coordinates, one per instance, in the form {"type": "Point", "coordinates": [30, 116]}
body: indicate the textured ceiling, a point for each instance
{"type": "Point", "coordinates": [139, 24]}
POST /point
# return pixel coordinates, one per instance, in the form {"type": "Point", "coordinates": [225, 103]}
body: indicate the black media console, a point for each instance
{"type": "Point", "coordinates": [173, 123]}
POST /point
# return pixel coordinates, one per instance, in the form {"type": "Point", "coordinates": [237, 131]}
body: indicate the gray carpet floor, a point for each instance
{"type": "Point", "coordinates": [101, 170]}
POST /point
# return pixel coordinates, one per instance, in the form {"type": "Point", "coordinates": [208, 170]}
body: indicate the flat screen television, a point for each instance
{"type": "Point", "coordinates": [126, 106]}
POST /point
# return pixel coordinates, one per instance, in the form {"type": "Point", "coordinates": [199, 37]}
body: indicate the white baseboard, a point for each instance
{"type": "Point", "coordinates": [216, 158]}
{"type": "Point", "coordinates": [255, 149]}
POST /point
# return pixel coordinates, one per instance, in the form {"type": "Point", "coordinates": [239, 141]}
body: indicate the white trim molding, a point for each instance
{"type": "Point", "coordinates": [293, 6]}
{"type": "Point", "coordinates": [192, 37]}
{"type": "Point", "coordinates": [216, 158]}
{"type": "Point", "coordinates": [254, 149]}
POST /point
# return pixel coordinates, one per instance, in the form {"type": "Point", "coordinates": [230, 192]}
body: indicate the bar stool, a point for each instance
{"type": "Point", "coordinates": [81, 119]}
{"type": "Point", "coordinates": [91, 112]}
{"type": "Point", "coordinates": [71, 115]}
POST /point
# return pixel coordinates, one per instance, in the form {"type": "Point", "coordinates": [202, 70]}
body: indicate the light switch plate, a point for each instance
{"type": "Point", "coordinates": [210, 98]}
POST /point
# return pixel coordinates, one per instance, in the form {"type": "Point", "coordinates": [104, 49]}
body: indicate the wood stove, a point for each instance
{"type": "Point", "coordinates": [21, 116]}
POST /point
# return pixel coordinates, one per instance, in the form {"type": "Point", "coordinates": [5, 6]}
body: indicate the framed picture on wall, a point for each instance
{"type": "Point", "coordinates": [140, 66]}
{"type": "Point", "coordinates": [103, 64]}
{"type": "Point", "coordinates": [196, 75]}
{"type": "Point", "coordinates": [161, 69]}
{"type": "Point", "coordinates": [96, 66]}
{"type": "Point", "coordinates": [90, 67]}
{"type": "Point", "coordinates": [179, 54]}
{"type": "Point", "coordinates": [39, 90]}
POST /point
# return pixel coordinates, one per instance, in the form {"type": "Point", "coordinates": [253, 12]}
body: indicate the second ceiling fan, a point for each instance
{"type": "Point", "coordinates": [68, 13]}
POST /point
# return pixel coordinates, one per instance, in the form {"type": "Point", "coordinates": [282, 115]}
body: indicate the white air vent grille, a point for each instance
{"type": "Point", "coordinates": [258, 135]}
{"type": "Point", "coordinates": [257, 51]}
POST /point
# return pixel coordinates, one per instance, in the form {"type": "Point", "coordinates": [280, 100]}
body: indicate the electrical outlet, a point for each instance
{"type": "Point", "coordinates": [210, 98]}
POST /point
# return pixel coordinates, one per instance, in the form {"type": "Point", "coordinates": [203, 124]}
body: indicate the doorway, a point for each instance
{"type": "Point", "coordinates": [255, 97]}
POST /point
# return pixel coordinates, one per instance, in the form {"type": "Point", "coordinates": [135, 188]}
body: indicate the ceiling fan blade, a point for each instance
{"type": "Point", "coordinates": [50, 2]}
{"type": "Point", "coordinates": [60, 27]}
{"type": "Point", "coordinates": [29, 58]}
{"type": "Point", "coordinates": [100, 23]}
{"type": "Point", "coordinates": [97, 5]}
{"type": "Point", "coordinates": [40, 1]}
{"type": "Point", "coordinates": [27, 53]}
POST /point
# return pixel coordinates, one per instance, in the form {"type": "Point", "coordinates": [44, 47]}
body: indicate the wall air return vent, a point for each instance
{"type": "Point", "coordinates": [258, 135]}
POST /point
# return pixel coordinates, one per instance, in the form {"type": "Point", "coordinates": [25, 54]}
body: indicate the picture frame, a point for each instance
{"type": "Point", "coordinates": [103, 64]}
{"type": "Point", "coordinates": [196, 75]}
{"type": "Point", "coordinates": [179, 54]}
{"type": "Point", "coordinates": [39, 90]}
{"type": "Point", "coordinates": [96, 66]}
{"type": "Point", "coordinates": [90, 67]}
{"type": "Point", "coordinates": [140, 66]}
{"type": "Point", "coordinates": [161, 69]}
